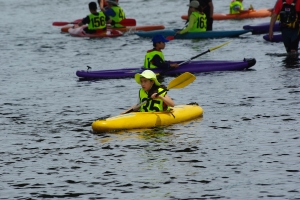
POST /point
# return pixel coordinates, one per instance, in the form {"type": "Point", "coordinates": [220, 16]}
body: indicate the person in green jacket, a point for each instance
{"type": "Point", "coordinates": [197, 19]}
{"type": "Point", "coordinates": [115, 13]}
{"type": "Point", "coordinates": [96, 20]}
{"type": "Point", "coordinates": [236, 7]}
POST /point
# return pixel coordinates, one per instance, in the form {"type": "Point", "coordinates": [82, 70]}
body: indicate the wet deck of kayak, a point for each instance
{"type": "Point", "coordinates": [245, 146]}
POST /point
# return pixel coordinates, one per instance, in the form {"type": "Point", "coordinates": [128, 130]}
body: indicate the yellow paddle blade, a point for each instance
{"type": "Point", "coordinates": [181, 81]}
{"type": "Point", "coordinates": [214, 48]}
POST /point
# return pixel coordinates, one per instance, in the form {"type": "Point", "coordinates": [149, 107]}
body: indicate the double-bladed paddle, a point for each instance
{"type": "Point", "coordinates": [209, 50]}
{"type": "Point", "coordinates": [124, 22]}
{"type": "Point", "coordinates": [177, 83]}
{"type": "Point", "coordinates": [172, 37]}
{"type": "Point", "coordinates": [63, 23]}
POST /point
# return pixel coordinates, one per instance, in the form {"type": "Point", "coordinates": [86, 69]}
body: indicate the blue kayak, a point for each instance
{"type": "Point", "coordinates": [262, 28]}
{"type": "Point", "coordinates": [193, 35]}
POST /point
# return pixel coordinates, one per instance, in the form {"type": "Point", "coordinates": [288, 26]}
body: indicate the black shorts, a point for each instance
{"type": "Point", "coordinates": [290, 38]}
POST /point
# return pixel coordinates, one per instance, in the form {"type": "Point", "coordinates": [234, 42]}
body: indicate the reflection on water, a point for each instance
{"type": "Point", "coordinates": [291, 61]}
{"type": "Point", "coordinates": [155, 135]}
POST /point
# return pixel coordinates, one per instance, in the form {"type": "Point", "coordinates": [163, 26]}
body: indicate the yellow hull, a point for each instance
{"type": "Point", "coordinates": [135, 120]}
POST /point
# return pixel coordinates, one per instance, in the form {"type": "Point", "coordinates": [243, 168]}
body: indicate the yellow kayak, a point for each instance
{"type": "Point", "coordinates": [136, 120]}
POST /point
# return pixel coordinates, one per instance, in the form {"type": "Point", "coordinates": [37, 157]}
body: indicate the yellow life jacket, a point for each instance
{"type": "Point", "coordinates": [97, 21]}
{"type": "Point", "coordinates": [200, 23]}
{"type": "Point", "coordinates": [233, 4]}
{"type": "Point", "coordinates": [153, 105]}
{"type": "Point", "coordinates": [120, 15]}
{"type": "Point", "coordinates": [149, 56]}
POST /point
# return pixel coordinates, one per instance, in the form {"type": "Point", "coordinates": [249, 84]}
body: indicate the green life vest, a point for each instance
{"type": "Point", "coordinates": [235, 3]}
{"type": "Point", "coordinates": [120, 15]}
{"type": "Point", "coordinates": [97, 21]}
{"type": "Point", "coordinates": [149, 56]}
{"type": "Point", "coordinates": [153, 105]}
{"type": "Point", "coordinates": [200, 23]}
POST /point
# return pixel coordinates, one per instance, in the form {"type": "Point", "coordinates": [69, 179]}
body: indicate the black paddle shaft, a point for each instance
{"type": "Point", "coordinates": [194, 57]}
{"type": "Point", "coordinates": [200, 54]}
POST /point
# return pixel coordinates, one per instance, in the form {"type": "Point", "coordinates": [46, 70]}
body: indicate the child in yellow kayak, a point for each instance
{"type": "Point", "coordinates": [150, 89]}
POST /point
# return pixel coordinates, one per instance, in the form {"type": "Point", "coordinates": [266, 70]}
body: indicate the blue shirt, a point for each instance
{"type": "Point", "coordinates": [110, 12]}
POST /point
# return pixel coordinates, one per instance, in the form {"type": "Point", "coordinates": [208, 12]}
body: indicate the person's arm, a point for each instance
{"type": "Point", "coordinates": [244, 11]}
{"type": "Point", "coordinates": [166, 99]}
{"type": "Point", "coordinates": [192, 19]}
{"type": "Point", "coordinates": [109, 13]}
{"type": "Point", "coordinates": [107, 19]}
{"type": "Point", "coordinates": [272, 22]}
{"type": "Point", "coordinates": [160, 63]}
{"type": "Point", "coordinates": [134, 108]}
{"type": "Point", "coordinates": [238, 8]}
{"type": "Point", "coordinates": [85, 20]}
{"type": "Point", "coordinates": [101, 4]}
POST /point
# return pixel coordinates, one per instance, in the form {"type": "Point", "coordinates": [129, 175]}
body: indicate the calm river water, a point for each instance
{"type": "Point", "coordinates": [246, 146]}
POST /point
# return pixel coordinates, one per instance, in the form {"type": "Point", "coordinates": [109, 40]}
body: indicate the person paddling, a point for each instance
{"type": "Point", "coordinates": [236, 7]}
{"type": "Point", "coordinates": [154, 58]}
{"type": "Point", "coordinates": [197, 20]}
{"type": "Point", "coordinates": [207, 7]}
{"type": "Point", "coordinates": [96, 20]}
{"type": "Point", "coordinates": [150, 88]}
{"type": "Point", "coordinates": [115, 13]}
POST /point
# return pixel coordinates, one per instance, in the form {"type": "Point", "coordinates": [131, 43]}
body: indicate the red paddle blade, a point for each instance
{"type": "Point", "coordinates": [128, 22]}
{"type": "Point", "coordinates": [66, 23]}
{"type": "Point", "coordinates": [170, 37]}
{"type": "Point", "coordinates": [124, 22]}
{"type": "Point", "coordinates": [62, 23]}
{"type": "Point", "coordinates": [77, 21]}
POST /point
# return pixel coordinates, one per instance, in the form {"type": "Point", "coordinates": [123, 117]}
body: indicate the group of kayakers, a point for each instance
{"type": "Point", "coordinates": [288, 11]}
{"type": "Point", "coordinates": [110, 13]}
{"type": "Point", "coordinates": [200, 18]}
{"type": "Point", "coordinates": [150, 87]}
{"type": "Point", "coordinates": [200, 15]}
